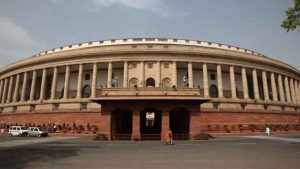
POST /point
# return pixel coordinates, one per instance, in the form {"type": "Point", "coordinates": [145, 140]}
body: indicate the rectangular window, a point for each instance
{"type": "Point", "coordinates": [32, 108]}
{"type": "Point", "coordinates": [55, 107]}
{"type": "Point", "coordinates": [166, 65]}
{"type": "Point", "coordinates": [87, 76]}
{"type": "Point", "coordinates": [132, 66]}
{"type": "Point", "coordinates": [14, 109]}
{"type": "Point", "coordinates": [150, 65]}
{"type": "Point", "coordinates": [83, 106]}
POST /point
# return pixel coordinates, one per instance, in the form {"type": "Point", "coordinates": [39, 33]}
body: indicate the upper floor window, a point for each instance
{"type": "Point", "coordinates": [87, 76]}
{"type": "Point", "coordinates": [212, 76]}
{"type": "Point", "coordinates": [150, 65]}
{"type": "Point", "coordinates": [132, 66]}
{"type": "Point", "coordinates": [166, 65]}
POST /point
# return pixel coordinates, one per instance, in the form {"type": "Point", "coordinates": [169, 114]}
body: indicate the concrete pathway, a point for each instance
{"type": "Point", "coordinates": [8, 144]}
{"type": "Point", "coordinates": [296, 140]}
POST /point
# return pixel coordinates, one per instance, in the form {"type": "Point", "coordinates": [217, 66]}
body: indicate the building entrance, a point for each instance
{"type": "Point", "coordinates": [121, 124]}
{"type": "Point", "coordinates": [180, 123]}
{"type": "Point", "coordinates": [150, 124]}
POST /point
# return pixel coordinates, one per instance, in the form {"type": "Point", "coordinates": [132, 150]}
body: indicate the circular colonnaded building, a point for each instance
{"type": "Point", "coordinates": [139, 88]}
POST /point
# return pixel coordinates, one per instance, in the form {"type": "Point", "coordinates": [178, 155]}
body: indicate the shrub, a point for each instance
{"type": "Point", "coordinates": [100, 137]}
{"type": "Point", "coordinates": [203, 136]}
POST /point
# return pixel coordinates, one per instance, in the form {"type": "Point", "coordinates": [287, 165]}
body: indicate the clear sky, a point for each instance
{"type": "Point", "coordinates": [28, 27]}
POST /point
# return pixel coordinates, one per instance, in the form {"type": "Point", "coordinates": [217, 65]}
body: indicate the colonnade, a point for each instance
{"type": "Point", "coordinates": [287, 87]}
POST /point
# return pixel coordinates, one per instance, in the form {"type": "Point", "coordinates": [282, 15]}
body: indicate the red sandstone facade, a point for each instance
{"type": "Point", "coordinates": [112, 87]}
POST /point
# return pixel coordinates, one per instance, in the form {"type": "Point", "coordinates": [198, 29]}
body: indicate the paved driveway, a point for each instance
{"type": "Point", "coordinates": [231, 153]}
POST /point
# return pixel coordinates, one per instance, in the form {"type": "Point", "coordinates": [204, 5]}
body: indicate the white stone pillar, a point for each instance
{"type": "Point", "coordinates": [265, 86]}
{"type": "Point", "coordinates": [94, 80]}
{"type": "Point", "coordinates": [143, 74]}
{"type": "Point", "coordinates": [293, 96]}
{"type": "Point", "coordinates": [158, 84]}
{"type": "Point", "coordinates": [54, 84]}
{"type": "Point", "coordinates": [245, 83]}
{"type": "Point", "coordinates": [1, 88]}
{"type": "Point", "coordinates": [67, 82]}
{"type": "Point", "coordinates": [205, 80]}
{"type": "Point", "coordinates": [220, 82]}
{"type": "Point", "coordinates": [33, 86]}
{"type": "Point", "coordinates": [274, 89]}
{"type": "Point", "coordinates": [125, 80]}
{"type": "Point", "coordinates": [190, 73]}
{"type": "Point", "coordinates": [174, 72]}
{"type": "Point", "coordinates": [280, 85]}
{"type": "Point", "coordinates": [24, 86]}
{"type": "Point", "coordinates": [4, 91]}
{"type": "Point", "coordinates": [287, 89]}
{"type": "Point", "coordinates": [255, 84]}
{"type": "Point", "coordinates": [232, 82]}
{"type": "Point", "coordinates": [297, 91]}
{"type": "Point", "coordinates": [43, 85]}
{"type": "Point", "coordinates": [16, 91]}
{"type": "Point", "coordinates": [10, 89]}
{"type": "Point", "coordinates": [109, 75]}
{"type": "Point", "coordinates": [79, 81]}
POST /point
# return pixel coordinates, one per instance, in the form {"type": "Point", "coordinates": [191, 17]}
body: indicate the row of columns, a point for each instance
{"type": "Point", "coordinates": [291, 86]}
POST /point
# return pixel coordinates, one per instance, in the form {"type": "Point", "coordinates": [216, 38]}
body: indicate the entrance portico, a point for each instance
{"type": "Point", "coordinates": [150, 117]}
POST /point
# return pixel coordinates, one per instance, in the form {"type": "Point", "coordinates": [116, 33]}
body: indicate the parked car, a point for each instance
{"type": "Point", "coordinates": [37, 132]}
{"type": "Point", "coordinates": [17, 131]}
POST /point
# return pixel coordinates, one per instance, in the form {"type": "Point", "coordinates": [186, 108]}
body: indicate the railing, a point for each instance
{"type": "Point", "coordinates": [181, 136]}
{"type": "Point", "coordinates": [150, 137]}
{"type": "Point", "coordinates": [121, 137]}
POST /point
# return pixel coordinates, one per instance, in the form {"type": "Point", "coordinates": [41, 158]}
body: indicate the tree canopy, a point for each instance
{"type": "Point", "coordinates": [293, 17]}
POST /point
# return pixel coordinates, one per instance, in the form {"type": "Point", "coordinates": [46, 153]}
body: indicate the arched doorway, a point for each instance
{"type": "Point", "coordinates": [180, 123]}
{"type": "Point", "coordinates": [213, 91]}
{"type": "Point", "coordinates": [150, 124]}
{"type": "Point", "coordinates": [86, 91]}
{"type": "Point", "coordinates": [150, 82]}
{"type": "Point", "coordinates": [121, 124]}
{"type": "Point", "coordinates": [133, 82]}
{"type": "Point", "coordinates": [166, 82]}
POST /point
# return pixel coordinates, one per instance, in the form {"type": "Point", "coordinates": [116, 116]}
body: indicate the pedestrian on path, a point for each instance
{"type": "Point", "coordinates": [268, 130]}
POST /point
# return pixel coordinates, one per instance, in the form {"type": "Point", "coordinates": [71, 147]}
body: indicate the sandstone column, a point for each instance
{"type": "Point", "coordinates": [33, 86]}
{"type": "Point", "coordinates": [174, 72]}
{"type": "Point", "coordinates": [220, 82]}
{"type": "Point", "coordinates": [293, 96]}
{"type": "Point", "coordinates": [255, 84]}
{"type": "Point", "coordinates": [265, 86]}
{"type": "Point", "coordinates": [24, 86]}
{"type": "Point", "coordinates": [125, 80]}
{"type": "Point", "coordinates": [109, 74]}
{"type": "Point", "coordinates": [10, 89]}
{"type": "Point", "coordinates": [54, 84]}
{"type": "Point", "coordinates": [245, 83]}
{"type": "Point", "coordinates": [143, 74]}
{"type": "Point", "coordinates": [79, 81]}
{"type": "Point", "coordinates": [136, 134]}
{"type": "Point", "coordinates": [287, 89]}
{"type": "Point", "coordinates": [67, 82]}
{"type": "Point", "coordinates": [165, 124]}
{"type": "Point", "coordinates": [158, 84]}
{"type": "Point", "coordinates": [205, 80]}
{"type": "Point", "coordinates": [16, 92]}
{"type": "Point", "coordinates": [280, 85]}
{"type": "Point", "coordinates": [94, 80]}
{"type": "Point", "coordinates": [190, 73]}
{"type": "Point", "coordinates": [43, 85]}
{"type": "Point", "coordinates": [274, 89]}
{"type": "Point", "coordinates": [4, 95]}
{"type": "Point", "coordinates": [297, 91]}
{"type": "Point", "coordinates": [232, 82]}
{"type": "Point", "coordinates": [1, 88]}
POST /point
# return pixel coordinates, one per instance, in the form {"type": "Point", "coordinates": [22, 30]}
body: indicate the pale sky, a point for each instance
{"type": "Point", "coordinates": [28, 27]}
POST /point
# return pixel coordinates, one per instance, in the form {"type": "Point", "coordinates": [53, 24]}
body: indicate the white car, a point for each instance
{"type": "Point", "coordinates": [18, 131]}
{"type": "Point", "coordinates": [36, 132]}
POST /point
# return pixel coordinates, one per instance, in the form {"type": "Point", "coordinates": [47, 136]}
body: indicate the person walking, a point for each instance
{"type": "Point", "coordinates": [268, 130]}
{"type": "Point", "coordinates": [170, 135]}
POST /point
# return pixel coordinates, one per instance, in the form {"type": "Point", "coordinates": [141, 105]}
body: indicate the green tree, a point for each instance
{"type": "Point", "coordinates": [293, 17]}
